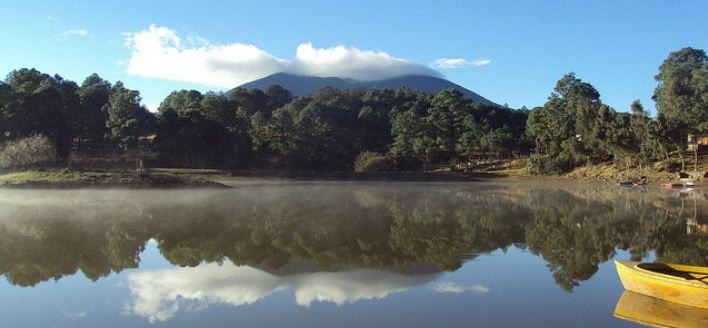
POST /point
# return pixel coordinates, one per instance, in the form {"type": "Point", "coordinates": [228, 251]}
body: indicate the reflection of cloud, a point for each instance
{"type": "Point", "coordinates": [350, 286]}
{"type": "Point", "coordinates": [158, 295]}
{"type": "Point", "coordinates": [451, 287]}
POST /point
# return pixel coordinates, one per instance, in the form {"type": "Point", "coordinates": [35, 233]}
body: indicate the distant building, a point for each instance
{"type": "Point", "coordinates": [695, 228]}
{"type": "Point", "coordinates": [699, 143]}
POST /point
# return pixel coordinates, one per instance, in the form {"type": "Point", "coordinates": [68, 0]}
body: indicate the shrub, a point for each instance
{"type": "Point", "coordinates": [27, 151]}
{"type": "Point", "coordinates": [547, 164]}
{"type": "Point", "coordinates": [370, 162]}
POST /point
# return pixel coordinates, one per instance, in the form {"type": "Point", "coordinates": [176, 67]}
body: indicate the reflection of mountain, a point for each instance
{"type": "Point", "coordinates": [333, 228]}
{"type": "Point", "coordinates": [158, 295]}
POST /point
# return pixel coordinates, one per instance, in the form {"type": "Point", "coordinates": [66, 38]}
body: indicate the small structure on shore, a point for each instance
{"type": "Point", "coordinates": [693, 227]}
{"type": "Point", "coordinates": [697, 143]}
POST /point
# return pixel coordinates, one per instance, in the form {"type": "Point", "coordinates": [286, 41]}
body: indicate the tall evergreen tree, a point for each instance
{"type": "Point", "coordinates": [127, 119]}
{"type": "Point", "coordinates": [682, 96]}
{"type": "Point", "coordinates": [43, 105]}
{"type": "Point", "coordinates": [93, 95]}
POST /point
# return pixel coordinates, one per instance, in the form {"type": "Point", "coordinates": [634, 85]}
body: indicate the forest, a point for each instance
{"type": "Point", "coordinates": [45, 118]}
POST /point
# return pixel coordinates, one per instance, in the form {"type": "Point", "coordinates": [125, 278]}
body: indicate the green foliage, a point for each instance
{"type": "Point", "coordinates": [470, 139]}
{"type": "Point", "coordinates": [42, 104]}
{"type": "Point", "coordinates": [183, 102]}
{"type": "Point", "coordinates": [572, 122]}
{"type": "Point", "coordinates": [193, 140]}
{"type": "Point", "coordinates": [370, 162]}
{"type": "Point", "coordinates": [682, 92]}
{"type": "Point", "coordinates": [445, 127]}
{"type": "Point", "coordinates": [547, 164]}
{"type": "Point", "coordinates": [199, 130]}
{"type": "Point", "coordinates": [574, 128]}
{"type": "Point", "coordinates": [326, 131]}
{"type": "Point", "coordinates": [93, 96]}
{"type": "Point", "coordinates": [127, 118]}
{"type": "Point", "coordinates": [642, 130]}
{"type": "Point", "coordinates": [682, 98]}
{"type": "Point", "coordinates": [499, 141]}
{"type": "Point", "coordinates": [254, 128]}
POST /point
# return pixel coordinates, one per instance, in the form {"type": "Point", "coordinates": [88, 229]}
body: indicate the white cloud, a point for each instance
{"type": "Point", "coordinates": [348, 62]}
{"type": "Point", "coordinates": [74, 314]}
{"type": "Point", "coordinates": [451, 287]}
{"type": "Point", "coordinates": [159, 52]}
{"type": "Point", "coordinates": [152, 107]}
{"type": "Point", "coordinates": [481, 61]}
{"type": "Point", "coordinates": [449, 63]}
{"type": "Point", "coordinates": [159, 294]}
{"type": "Point", "coordinates": [78, 32]}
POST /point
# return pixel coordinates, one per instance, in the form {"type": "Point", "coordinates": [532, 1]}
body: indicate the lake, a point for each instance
{"type": "Point", "coordinates": [328, 254]}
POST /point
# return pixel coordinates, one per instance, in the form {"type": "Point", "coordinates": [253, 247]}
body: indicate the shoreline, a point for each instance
{"type": "Point", "coordinates": [81, 177]}
{"type": "Point", "coordinates": [77, 179]}
{"type": "Point", "coordinates": [177, 178]}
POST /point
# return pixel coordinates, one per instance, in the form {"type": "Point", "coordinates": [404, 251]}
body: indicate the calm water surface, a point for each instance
{"type": "Point", "coordinates": [335, 254]}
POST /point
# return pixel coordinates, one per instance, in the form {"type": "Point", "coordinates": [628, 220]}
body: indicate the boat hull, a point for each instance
{"type": "Point", "coordinates": [675, 283]}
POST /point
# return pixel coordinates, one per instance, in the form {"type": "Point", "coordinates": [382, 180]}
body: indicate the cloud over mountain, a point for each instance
{"type": "Point", "coordinates": [159, 52]}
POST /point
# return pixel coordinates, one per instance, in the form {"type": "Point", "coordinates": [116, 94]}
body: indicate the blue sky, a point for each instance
{"type": "Point", "coordinates": [523, 46]}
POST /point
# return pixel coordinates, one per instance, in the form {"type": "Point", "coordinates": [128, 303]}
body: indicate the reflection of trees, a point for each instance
{"type": "Point", "coordinates": [354, 226]}
{"type": "Point", "coordinates": [37, 245]}
{"type": "Point", "coordinates": [574, 233]}
{"type": "Point", "coordinates": [441, 226]}
{"type": "Point", "coordinates": [561, 234]}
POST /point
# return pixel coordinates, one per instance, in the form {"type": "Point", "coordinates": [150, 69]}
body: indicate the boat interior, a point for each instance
{"type": "Point", "coordinates": [694, 274]}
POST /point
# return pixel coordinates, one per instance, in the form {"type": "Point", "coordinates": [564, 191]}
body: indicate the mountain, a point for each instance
{"type": "Point", "coordinates": [304, 85]}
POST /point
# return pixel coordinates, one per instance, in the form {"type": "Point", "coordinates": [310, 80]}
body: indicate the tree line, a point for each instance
{"type": "Point", "coordinates": [334, 130]}
{"type": "Point", "coordinates": [575, 128]}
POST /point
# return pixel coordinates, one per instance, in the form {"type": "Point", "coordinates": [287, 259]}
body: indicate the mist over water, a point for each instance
{"type": "Point", "coordinates": [321, 252]}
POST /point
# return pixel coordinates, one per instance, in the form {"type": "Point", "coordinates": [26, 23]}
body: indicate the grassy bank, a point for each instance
{"type": "Point", "coordinates": [655, 173]}
{"type": "Point", "coordinates": [606, 172]}
{"type": "Point", "coordinates": [68, 178]}
{"type": "Point", "coordinates": [58, 177]}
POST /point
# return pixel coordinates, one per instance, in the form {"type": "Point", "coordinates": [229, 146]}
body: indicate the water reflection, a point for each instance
{"type": "Point", "coordinates": [655, 312]}
{"type": "Point", "coordinates": [346, 233]}
{"type": "Point", "coordinates": [158, 295]}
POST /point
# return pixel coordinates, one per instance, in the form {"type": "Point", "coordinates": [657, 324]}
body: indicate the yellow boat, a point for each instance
{"type": "Point", "coordinates": [683, 284]}
{"type": "Point", "coordinates": [654, 312]}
